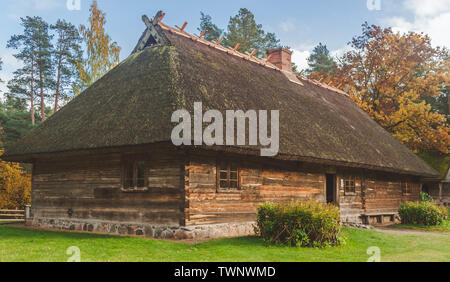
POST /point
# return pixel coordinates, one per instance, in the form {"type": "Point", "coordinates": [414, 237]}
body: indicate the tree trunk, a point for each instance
{"type": "Point", "coordinates": [58, 80]}
{"type": "Point", "coordinates": [33, 122]}
{"type": "Point", "coordinates": [42, 93]}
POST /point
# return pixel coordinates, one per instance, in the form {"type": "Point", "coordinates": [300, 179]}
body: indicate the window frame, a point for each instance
{"type": "Point", "coordinates": [404, 185]}
{"type": "Point", "coordinates": [219, 169]}
{"type": "Point", "coordinates": [133, 161]}
{"type": "Point", "coordinates": [347, 180]}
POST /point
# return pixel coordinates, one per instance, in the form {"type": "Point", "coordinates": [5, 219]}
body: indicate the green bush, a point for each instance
{"type": "Point", "coordinates": [424, 213]}
{"type": "Point", "coordinates": [309, 224]}
{"type": "Point", "coordinates": [424, 197]}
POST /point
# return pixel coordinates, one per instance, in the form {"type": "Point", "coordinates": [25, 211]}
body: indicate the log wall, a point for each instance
{"type": "Point", "coordinates": [88, 187]}
{"type": "Point", "coordinates": [182, 189]}
{"type": "Point", "coordinates": [260, 182]}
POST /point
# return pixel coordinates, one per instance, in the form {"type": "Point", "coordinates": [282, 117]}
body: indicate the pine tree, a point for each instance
{"type": "Point", "coordinates": [35, 50]}
{"type": "Point", "coordinates": [67, 55]}
{"type": "Point", "coordinates": [44, 64]}
{"type": "Point", "coordinates": [320, 60]}
{"type": "Point", "coordinates": [244, 30]}
{"type": "Point", "coordinates": [102, 52]}
{"type": "Point", "coordinates": [23, 85]}
{"type": "Point", "coordinates": [212, 31]}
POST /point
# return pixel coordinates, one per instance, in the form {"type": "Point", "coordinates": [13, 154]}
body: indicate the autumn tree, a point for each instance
{"type": "Point", "coordinates": [244, 30]}
{"type": "Point", "coordinates": [36, 76]}
{"type": "Point", "coordinates": [15, 186]}
{"type": "Point", "coordinates": [102, 52]}
{"type": "Point", "coordinates": [390, 75]}
{"type": "Point", "coordinates": [320, 60]}
{"type": "Point", "coordinates": [67, 55]}
{"type": "Point", "coordinates": [212, 31]}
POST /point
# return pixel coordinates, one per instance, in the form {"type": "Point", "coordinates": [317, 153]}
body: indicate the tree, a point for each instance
{"type": "Point", "coordinates": [244, 30]}
{"type": "Point", "coordinates": [35, 50]}
{"type": "Point", "coordinates": [102, 52]}
{"type": "Point", "coordinates": [320, 60]}
{"type": "Point", "coordinates": [67, 55]}
{"type": "Point", "coordinates": [1, 63]}
{"type": "Point", "coordinates": [212, 31]}
{"type": "Point", "coordinates": [15, 189]}
{"type": "Point", "coordinates": [390, 76]}
{"type": "Point", "coordinates": [14, 120]}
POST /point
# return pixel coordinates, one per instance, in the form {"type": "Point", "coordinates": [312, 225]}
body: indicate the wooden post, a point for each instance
{"type": "Point", "coordinates": [441, 185]}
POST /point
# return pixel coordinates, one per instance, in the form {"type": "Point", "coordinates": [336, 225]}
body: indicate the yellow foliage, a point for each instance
{"type": "Point", "coordinates": [15, 186]}
{"type": "Point", "coordinates": [390, 75]}
{"type": "Point", "coordinates": [102, 52]}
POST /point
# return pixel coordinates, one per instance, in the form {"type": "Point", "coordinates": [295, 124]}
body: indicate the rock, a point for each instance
{"type": "Point", "coordinates": [183, 235]}
{"type": "Point", "coordinates": [167, 234]}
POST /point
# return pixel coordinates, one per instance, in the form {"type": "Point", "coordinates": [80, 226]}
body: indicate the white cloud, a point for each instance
{"type": "Point", "coordinates": [431, 17]}
{"type": "Point", "coordinates": [9, 61]}
{"type": "Point", "coordinates": [425, 8]}
{"type": "Point", "coordinates": [300, 58]}
{"type": "Point", "coordinates": [287, 25]}
{"type": "Point", "coordinates": [302, 53]}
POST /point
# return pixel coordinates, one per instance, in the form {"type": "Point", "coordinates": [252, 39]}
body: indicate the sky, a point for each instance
{"type": "Point", "coordinates": [299, 24]}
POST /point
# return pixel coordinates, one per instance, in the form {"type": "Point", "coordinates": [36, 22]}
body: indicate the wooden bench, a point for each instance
{"type": "Point", "coordinates": [379, 218]}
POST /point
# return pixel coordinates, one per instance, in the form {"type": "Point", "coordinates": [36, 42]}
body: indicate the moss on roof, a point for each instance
{"type": "Point", "coordinates": [132, 105]}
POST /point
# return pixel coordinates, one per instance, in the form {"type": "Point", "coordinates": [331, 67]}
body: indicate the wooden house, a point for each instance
{"type": "Point", "coordinates": [105, 162]}
{"type": "Point", "coordinates": [439, 188]}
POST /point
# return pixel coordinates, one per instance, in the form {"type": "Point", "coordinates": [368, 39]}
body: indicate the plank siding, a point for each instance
{"type": "Point", "coordinates": [89, 187]}
{"type": "Point", "coordinates": [182, 188]}
{"type": "Point", "coordinates": [260, 182]}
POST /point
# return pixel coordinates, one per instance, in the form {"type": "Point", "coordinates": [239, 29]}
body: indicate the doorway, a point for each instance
{"type": "Point", "coordinates": [331, 188]}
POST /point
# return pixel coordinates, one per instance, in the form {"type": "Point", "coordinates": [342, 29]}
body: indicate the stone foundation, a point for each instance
{"type": "Point", "coordinates": [213, 231]}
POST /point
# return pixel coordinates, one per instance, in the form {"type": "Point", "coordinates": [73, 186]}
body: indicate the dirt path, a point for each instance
{"type": "Point", "coordinates": [409, 232]}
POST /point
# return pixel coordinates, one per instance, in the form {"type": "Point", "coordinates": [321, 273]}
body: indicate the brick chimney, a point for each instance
{"type": "Point", "coordinates": [281, 58]}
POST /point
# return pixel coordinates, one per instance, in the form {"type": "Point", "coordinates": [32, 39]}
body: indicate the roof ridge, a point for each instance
{"type": "Point", "coordinates": [181, 32]}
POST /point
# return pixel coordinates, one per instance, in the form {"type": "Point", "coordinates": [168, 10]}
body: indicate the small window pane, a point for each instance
{"type": "Point", "coordinates": [129, 175]}
{"type": "Point", "coordinates": [223, 175]}
{"type": "Point", "coordinates": [223, 184]}
{"type": "Point", "coordinates": [140, 174]}
{"type": "Point", "coordinates": [228, 176]}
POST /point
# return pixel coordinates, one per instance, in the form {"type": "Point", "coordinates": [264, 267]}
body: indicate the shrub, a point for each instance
{"type": "Point", "coordinates": [15, 186]}
{"type": "Point", "coordinates": [425, 213]}
{"type": "Point", "coordinates": [309, 224]}
{"type": "Point", "coordinates": [424, 197]}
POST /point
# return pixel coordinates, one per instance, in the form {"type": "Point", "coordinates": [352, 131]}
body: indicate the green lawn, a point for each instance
{"type": "Point", "coordinates": [444, 228]}
{"type": "Point", "coordinates": [17, 244]}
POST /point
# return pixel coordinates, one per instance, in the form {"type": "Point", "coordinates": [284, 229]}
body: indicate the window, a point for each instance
{"type": "Point", "coordinates": [405, 188]}
{"type": "Point", "coordinates": [227, 175]}
{"type": "Point", "coordinates": [134, 176]}
{"type": "Point", "coordinates": [349, 185]}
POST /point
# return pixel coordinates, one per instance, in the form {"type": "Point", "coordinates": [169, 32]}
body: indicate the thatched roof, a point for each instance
{"type": "Point", "coordinates": [133, 104]}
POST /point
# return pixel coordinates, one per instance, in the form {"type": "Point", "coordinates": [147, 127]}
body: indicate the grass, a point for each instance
{"type": "Point", "coordinates": [19, 245]}
{"type": "Point", "coordinates": [444, 228]}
